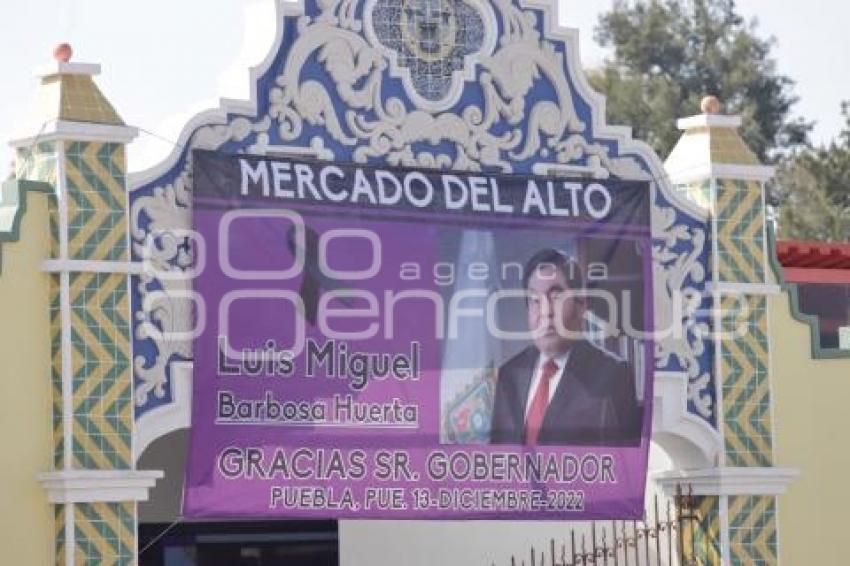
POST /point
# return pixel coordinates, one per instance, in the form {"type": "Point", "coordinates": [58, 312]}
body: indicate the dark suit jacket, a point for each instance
{"type": "Point", "coordinates": [593, 404]}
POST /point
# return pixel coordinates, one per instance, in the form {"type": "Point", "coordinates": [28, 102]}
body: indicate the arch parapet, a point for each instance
{"type": "Point", "coordinates": [333, 88]}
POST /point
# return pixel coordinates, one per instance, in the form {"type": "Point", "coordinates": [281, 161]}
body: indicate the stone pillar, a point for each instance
{"type": "Point", "coordinates": [76, 141]}
{"type": "Point", "coordinates": [736, 501]}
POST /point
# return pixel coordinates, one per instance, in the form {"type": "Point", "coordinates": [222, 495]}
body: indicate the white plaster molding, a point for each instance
{"type": "Point", "coordinates": [765, 248]}
{"type": "Point", "coordinates": [725, 288]}
{"type": "Point", "coordinates": [67, 376]}
{"type": "Point", "coordinates": [161, 420]}
{"type": "Point", "coordinates": [725, 539]}
{"type": "Point", "coordinates": [60, 265]}
{"type": "Point", "coordinates": [717, 322]}
{"type": "Point", "coordinates": [89, 486]}
{"type": "Point", "coordinates": [759, 173]}
{"type": "Point", "coordinates": [67, 68]}
{"type": "Point", "coordinates": [709, 121]}
{"type": "Point", "coordinates": [61, 130]}
{"type": "Point", "coordinates": [670, 416]}
{"type": "Point", "coordinates": [595, 171]}
{"type": "Point", "coordinates": [762, 173]}
{"type": "Point", "coordinates": [70, 535]}
{"type": "Point", "coordinates": [728, 481]}
{"type": "Point", "coordinates": [316, 150]}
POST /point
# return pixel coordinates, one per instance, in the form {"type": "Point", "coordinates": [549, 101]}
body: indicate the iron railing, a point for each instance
{"type": "Point", "coordinates": [666, 540]}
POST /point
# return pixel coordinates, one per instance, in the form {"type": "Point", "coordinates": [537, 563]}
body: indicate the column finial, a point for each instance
{"type": "Point", "coordinates": [63, 52]}
{"type": "Point", "coordinates": [710, 105]}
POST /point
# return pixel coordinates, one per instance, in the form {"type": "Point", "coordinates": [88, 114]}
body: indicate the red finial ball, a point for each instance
{"type": "Point", "coordinates": [62, 53]}
{"type": "Point", "coordinates": [710, 105]}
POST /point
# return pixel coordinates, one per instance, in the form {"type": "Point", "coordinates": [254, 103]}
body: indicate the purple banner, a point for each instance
{"type": "Point", "coordinates": [401, 343]}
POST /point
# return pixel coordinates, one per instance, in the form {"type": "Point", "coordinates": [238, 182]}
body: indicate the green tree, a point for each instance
{"type": "Point", "coordinates": [668, 54]}
{"type": "Point", "coordinates": [812, 190]}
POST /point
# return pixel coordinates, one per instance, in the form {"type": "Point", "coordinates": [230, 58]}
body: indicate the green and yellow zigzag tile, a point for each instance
{"type": "Point", "coordinates": [97, 222]}
{"type": "Point", "coordinates": [59, 530]}
{"type": "Point", "coordinates": [752, 530]}
{"type": "Point", "coordinates": [740, 223]}
{"type": "Point", "coordinates": [56, 372]}
{"type": "Point", "coordinates": [746, 393]}
{"type": "Point", "coordinates": [104, 533]}
{"type": "Point", "coordinates": [701, 537]}
{"type": "Point", "coordinates": [100, 354]}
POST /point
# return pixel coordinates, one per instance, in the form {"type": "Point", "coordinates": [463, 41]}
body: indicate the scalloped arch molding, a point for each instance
{"type": "Point", "coordinates": [331, 89]}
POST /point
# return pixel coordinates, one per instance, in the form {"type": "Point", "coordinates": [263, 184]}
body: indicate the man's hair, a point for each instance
{"type": "Point", "coordinates": [568, 267]}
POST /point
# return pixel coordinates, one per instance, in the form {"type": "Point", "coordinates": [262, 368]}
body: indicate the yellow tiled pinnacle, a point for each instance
{"type": "Point", "coordinates": [82, 101]}
{"type": "Point", "coordinates": [727, 147]}
{"type": "Point", "coordinates": [717, 144]}
{"type": "Point", "coordinates": [711, 146]}
{"type": "Point", "coordinates": [74, 98]}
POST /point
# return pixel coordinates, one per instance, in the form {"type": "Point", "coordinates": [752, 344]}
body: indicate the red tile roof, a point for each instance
{"type": "Point", "coordinates": [820, 255]}
{"type": "Point", "coordinates": [814, 262]}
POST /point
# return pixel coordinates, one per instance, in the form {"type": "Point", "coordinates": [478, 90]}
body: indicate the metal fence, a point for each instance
{"type": "Point", "coordinates": [667, 537]}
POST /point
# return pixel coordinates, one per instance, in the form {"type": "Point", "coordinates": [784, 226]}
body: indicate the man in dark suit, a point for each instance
{"type": "Point", "coordinates": [562, 389]}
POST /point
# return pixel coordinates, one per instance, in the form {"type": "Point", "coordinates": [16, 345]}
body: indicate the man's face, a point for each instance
{"type": "Point", "coordinates": [554, 312]}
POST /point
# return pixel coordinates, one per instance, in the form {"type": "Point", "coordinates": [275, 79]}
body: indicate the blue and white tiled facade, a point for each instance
{"type": "Point", "coordinates": [338, 88]}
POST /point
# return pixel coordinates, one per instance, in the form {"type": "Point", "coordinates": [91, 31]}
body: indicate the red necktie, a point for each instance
{"type": "Point", "coordinates": [537, 410]}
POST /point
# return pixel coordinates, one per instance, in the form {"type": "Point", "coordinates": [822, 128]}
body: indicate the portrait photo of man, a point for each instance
{"type": "Point", "coordinates": [561, 389]}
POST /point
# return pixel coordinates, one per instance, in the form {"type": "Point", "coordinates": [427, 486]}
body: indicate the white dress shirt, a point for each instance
{"type": "Point", "coordinates": [561, 362]}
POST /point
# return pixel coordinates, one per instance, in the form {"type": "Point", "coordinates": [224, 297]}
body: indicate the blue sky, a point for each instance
{"type": "Point", "coordinates": [164, 60]}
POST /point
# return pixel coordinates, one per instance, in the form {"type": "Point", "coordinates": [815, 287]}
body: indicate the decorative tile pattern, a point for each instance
{"type": "Point", "coordinates": [59, 529]}
{"type": "Point", "coordinates": [97, 222]}
{"type": "Point", "coordinates": [701, 535]}
{"type": "Point", "coordinates": [53, 224]}
{"type": "Point", "coordinates": [430, 38]}
{"type": "Point", "coordinates": [104, 533]}
{"type": "Point", "coordinates": [744, 378]}
{"type": "Point", "coordinates": [101, 370]}
{"type": "Point", "coordinates": [56, 372]}
{"type": "Point", "coordinates": [740, 232]}
{"type": "Point", "coordinates": [752, 531]}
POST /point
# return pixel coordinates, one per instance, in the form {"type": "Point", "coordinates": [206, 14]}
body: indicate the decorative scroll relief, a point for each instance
{"type": "Point", "coordinates": [679, 277]}
{"type": "Point", "coordinates": [376, 127]}
{"type": "Point", "coordinates": [166, 316]}
{"type": "Point", "coordinates": [166, 313]}
{"type": "Point", "coordinates": [341, 113]}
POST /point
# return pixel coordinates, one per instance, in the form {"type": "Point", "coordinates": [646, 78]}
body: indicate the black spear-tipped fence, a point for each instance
{"type": "Point", "coordinates": [666, 538]}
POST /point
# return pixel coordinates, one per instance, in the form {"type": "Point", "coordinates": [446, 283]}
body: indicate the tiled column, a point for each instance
{"type": "Point", "coordinates": [80, 147]}
{"type": "Point", "coordinates": [700, 535]}
{"type": "Point", "coordinates": [712, 166]}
